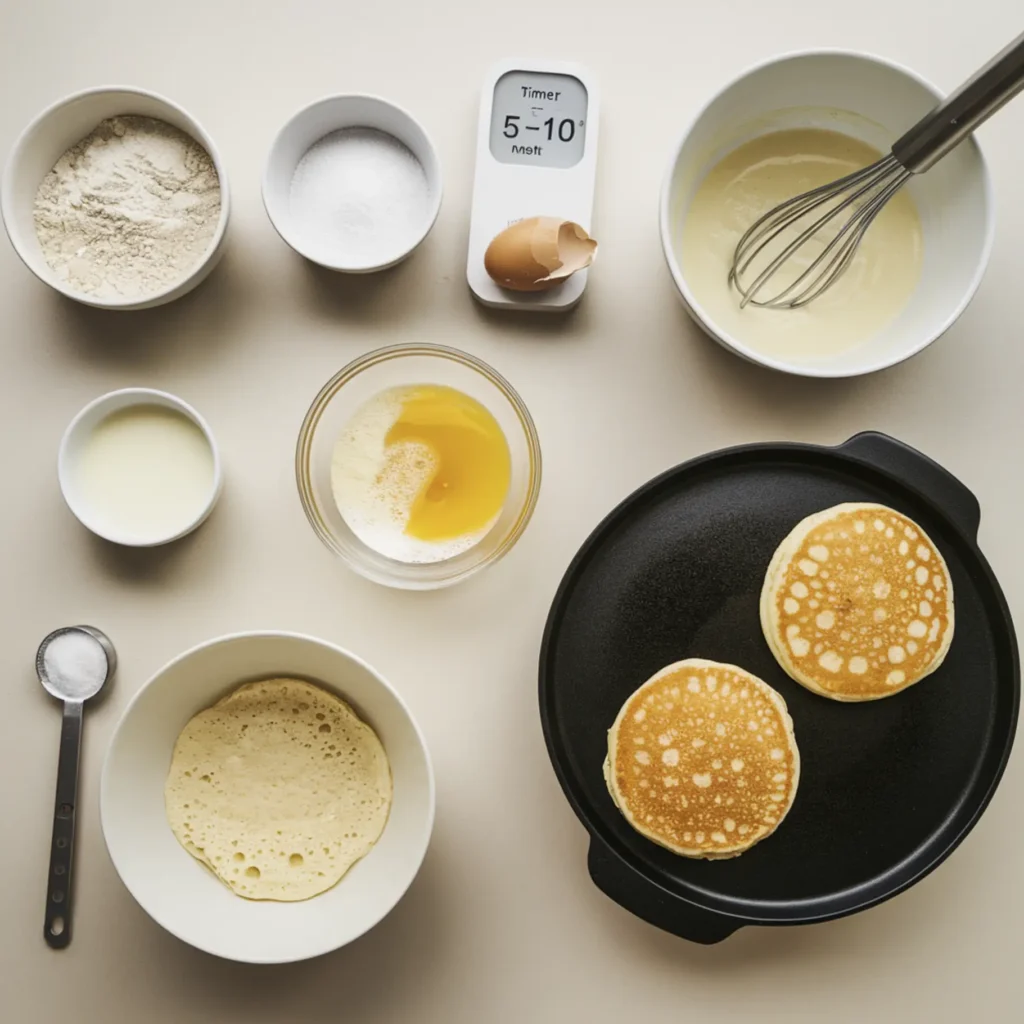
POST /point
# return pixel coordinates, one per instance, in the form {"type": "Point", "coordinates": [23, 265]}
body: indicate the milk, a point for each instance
{"type": "Point", "coordinates": [144, 474]}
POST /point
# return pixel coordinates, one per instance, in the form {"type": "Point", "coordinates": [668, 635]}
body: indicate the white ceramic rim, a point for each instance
{"type": "Point", "coordinates": [201, 135]}
{"type": "Point", "coordinates": [781, 365]}
{"type": "Point", "coordinates": [145, 396]}
{"type": "Point", "coordinates": [354, 268]}
{"type": "Point", "coordinates": [305, 638]}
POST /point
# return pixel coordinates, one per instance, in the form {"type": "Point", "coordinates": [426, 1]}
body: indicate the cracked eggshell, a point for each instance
{"type": "Point", "coordinates": [538, 253]}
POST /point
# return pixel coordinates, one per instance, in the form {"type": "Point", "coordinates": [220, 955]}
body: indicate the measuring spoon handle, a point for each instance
{"type": "Point", "coordinates": [57, 926]}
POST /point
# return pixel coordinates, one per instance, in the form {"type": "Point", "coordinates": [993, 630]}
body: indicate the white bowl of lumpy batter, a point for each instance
{"type": "Point", "coordinates": [191, 902]}
{"type": "Point", "coordinates": [795, 122]}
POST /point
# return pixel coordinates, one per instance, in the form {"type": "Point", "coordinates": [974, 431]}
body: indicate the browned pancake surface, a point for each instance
{"type": "Point", "coordinates": [864, 605]}
{"type": "Point", "coordinates": [702, 759]}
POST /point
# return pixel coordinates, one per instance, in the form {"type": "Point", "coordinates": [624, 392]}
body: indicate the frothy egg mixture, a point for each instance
{"type": "Point", "coordinates": [420, 473]}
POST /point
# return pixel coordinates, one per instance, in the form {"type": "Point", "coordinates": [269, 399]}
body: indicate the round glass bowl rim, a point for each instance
{"type": "Point", "coordinates": [328, 392]}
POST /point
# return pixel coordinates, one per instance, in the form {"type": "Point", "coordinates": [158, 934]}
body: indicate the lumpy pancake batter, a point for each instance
{"type": "Point", "coordinates": [745, 185]}
{"type": "Point", "coordinates": [279, 788]}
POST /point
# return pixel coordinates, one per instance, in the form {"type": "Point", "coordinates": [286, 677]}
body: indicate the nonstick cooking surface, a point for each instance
{"type": "Point", "coordinates": [887, 787]}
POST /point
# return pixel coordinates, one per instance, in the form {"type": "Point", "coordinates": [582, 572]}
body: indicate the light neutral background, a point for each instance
{"type": "Point", "coordinates": [503, 924]}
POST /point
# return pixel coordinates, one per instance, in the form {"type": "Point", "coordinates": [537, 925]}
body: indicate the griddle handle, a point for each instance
{"type": "Point", "coordinates": [619, 882]}
{"type": "Point", "coordinates": [938, 485]}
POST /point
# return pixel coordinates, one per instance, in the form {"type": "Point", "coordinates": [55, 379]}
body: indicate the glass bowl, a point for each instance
{"type": "Point", "coordinates": [406, 365]}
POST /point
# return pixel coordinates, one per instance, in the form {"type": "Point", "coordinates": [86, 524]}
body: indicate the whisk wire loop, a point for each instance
{"type": "Point", "coordinates": [840, 251]}
{"type": "Point", "coordinates": [864, 192]}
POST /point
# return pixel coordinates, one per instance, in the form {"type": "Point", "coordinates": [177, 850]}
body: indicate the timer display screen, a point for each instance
{"type": "Point", "coordinates": [538, 119]}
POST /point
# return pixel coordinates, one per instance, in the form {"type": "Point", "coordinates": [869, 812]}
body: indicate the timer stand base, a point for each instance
{"type": "Point", "coordinates": [536, 156]}
{"type": "Point", "coordinates": [559, 299]}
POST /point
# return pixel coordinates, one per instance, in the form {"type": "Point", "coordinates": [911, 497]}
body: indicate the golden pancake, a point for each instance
{"type": "Point", "coordinates": [857, 603]}
{"type": "Point", "coordinates": [278, 789]}
{"type": "Point", "coordinates": [702, 759]}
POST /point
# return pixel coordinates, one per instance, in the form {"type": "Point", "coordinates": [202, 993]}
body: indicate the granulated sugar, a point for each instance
{"type": "Point", "coordinates": [75, 663]}
{"type": "Point", "coordinates": [359, 197]}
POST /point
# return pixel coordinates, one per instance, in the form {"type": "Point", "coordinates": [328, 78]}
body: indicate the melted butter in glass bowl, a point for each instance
{"type": "Point", "coordinates": [414, 419]}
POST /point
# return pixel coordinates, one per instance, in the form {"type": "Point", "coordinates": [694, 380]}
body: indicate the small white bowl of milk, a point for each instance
{"type": "Point", "coordinates": [139, 467]}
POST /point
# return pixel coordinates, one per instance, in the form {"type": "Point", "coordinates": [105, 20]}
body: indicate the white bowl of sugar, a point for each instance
{"type": "Point", "coordinates": [353, 183]}
{"type": "Point", "coordinates": [117, 198]}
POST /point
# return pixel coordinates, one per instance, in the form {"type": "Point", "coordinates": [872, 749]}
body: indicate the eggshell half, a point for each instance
{"type": "Point", "coordinates": [538, 253]}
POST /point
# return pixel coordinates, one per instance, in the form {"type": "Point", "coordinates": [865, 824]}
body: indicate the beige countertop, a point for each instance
{"type": "Point", "coordinates": [503, 924]}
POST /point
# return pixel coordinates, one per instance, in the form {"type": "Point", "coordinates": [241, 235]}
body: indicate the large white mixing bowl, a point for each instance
{"type": "Point", "coordinates": [180, 893]}
{"type": "Point", "coordinates": [875, 101]}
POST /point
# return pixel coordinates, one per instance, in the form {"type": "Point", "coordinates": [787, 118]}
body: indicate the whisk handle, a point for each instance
{"type": "Point", "coordinates": [962, 111]}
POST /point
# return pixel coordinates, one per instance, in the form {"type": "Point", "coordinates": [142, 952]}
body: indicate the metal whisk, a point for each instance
{"type": "Point", "coordinates": [860, 196]}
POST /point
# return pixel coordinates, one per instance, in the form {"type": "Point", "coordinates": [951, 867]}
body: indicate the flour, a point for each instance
{"type": "Point", "coordinates": [129, 210]}
{"type": "Point", "coordinates": [359, 197]}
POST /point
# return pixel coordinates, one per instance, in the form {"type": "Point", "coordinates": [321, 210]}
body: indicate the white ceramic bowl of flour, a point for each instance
{"type": "Point", "coordinates": [872, 100]}
{"type": "Point", "coordinates": [353, 183]}
{"type": "Point", "coordinates": [49, 136]}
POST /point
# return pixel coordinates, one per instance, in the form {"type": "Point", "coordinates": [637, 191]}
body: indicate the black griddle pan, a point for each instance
{"type": "Point", "coordinates": [888, 788]}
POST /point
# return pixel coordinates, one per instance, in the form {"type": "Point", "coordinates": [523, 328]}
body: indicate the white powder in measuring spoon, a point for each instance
{"type": "Point", "coordinates": [359, 197]}
{"type": "Point", "coordinates": [76, 664]}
